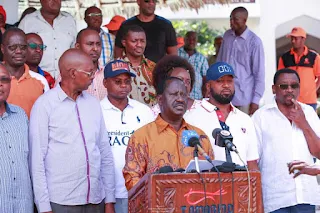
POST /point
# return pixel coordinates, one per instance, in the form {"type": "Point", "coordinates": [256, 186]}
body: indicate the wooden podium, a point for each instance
{"type": "Point", "coordinates": [177, 192]}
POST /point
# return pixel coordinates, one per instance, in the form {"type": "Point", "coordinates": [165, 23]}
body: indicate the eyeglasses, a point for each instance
{"type": "Point", "coordinates": [5, 80]}
{"type": "Point", "coordinates": [147, 1]}
{"type": "Point", "coordinates": [34, 46]}
{"type": "Point", "coordinates": [286, 86]}
{"type": "Point", "coordinates": [94, 14]}
{"type": "Point", "coordinates": [16, 46]}
{"type": "Point", "coordinates": [89, 74]}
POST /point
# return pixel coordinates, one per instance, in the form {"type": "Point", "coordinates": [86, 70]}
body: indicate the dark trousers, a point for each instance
{"type": "Point", "coordinates": [89, 208]}
{"type": "Point", "coordinates": [301, 208]}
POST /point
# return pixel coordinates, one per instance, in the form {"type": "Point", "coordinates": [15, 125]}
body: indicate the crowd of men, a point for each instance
{"type": "Point", "coordinates": [84, 115]}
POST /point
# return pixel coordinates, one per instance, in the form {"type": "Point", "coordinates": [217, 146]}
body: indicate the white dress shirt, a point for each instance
{"type": "Point", "coordinates": [121, 125]}
{"type": "Point", "coordinates": [65, 168]}
{"type": "Point", "coordinates": [58, 38]}
{"type": "Point", "coordinates": [280, 142]}
{"type": "Point", "coordinates": [204, 116]}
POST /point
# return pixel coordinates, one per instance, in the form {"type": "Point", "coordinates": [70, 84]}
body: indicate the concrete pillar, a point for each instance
{"type": "Point", "coordinates": [12, 8]}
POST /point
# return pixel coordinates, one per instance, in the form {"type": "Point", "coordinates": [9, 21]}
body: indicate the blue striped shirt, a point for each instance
{"type": "Point", "coordinates": [107, 46]}
{"type": "Point", "coordinates": [200, 65]}
{"type": "Point", "coordinates": [15, 184]}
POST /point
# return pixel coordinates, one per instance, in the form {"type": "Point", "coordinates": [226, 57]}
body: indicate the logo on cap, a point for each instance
{"type": "Point", "coordinates": [120, 66]}
{"type": "Point", "coordinates": [224, 68]}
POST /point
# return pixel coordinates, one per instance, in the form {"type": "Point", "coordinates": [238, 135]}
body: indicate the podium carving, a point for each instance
{"type": "Point", "coordinates": [185, 193]}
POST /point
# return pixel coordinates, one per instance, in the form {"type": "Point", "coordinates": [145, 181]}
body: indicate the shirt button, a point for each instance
{"type": "Point", "coordinates": [12, 162]}
{"type": "Point", "coordinates": [9, 147]}
{"type": "Point", "coordinates": [14, 178]}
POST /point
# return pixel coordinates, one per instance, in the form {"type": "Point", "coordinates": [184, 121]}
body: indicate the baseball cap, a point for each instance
{"type": "Point", "coordinates": [218, 70]}
{"type": "Point", "coordinates": [117, 67]}
{"type": "Point", "coordinates": [180, 41]}
{"type": "Point", "coordinates": [115, 23]}
{"type": "Point", "coordinates": [297, 32]}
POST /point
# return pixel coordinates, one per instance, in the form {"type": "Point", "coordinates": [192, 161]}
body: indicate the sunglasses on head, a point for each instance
{"type": "Point", "coordinates": [35, 46]}
{"type": "Point", "coordinates": [94, 14]}
{"type": "Point", "coordinates": [286, 86]}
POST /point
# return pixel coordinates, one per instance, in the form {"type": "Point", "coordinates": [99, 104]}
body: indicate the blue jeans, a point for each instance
{"type": "Point", "coordinates": [121, 205]}
{"type": "Point", "coordinates": [301, 208]}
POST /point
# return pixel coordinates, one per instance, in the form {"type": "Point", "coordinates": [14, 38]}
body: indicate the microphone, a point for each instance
{"type": "Point", "coordinates": [164, 169]}
{"type": "Point", "coordinates": [191, 138]}
{"type": "Point", "coordinates": [223, 138]}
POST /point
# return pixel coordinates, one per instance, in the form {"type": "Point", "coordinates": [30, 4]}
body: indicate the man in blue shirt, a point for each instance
{"type": "Point", "coordinates": [15, 184]}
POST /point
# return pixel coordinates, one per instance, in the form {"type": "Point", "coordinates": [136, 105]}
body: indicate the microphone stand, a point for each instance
{"type": "Point", "coordinates": [196, 160]}
{"type": "Point", "coordinates": [228, 155]}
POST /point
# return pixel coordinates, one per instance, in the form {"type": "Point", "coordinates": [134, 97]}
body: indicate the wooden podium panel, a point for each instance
{"type": "Point", "coordinates": [184, 193]}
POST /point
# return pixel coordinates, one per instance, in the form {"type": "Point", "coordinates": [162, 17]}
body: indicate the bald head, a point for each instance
{"type": "Point", "coordinates": [33, 35]}
{"type": "Point", "coordinates": [241, 10]}
{"type": "Point", "coordinates": [85, 32]}
{"type": "Point", "coordinates": [73, 59]}
{"type": "Point", "coordinates": [10, 32]}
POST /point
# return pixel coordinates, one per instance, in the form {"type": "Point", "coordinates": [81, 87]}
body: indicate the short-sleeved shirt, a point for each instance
{"type": "Point", "coordinates": [281, 142]}
{"type": "Point", "coordinates": [25, 91]}
{"type": "Point", "coordinates": [200, 65]}
{"type": "Point", "coordinates": [158, 144]}
{"type": "Point", "coordinates": [159, 32]}
{"type": "Point", "coordinates": [58, 38]}
{"type": "Point", "coordinates": [205, 117]}
{"type": "Point", "coordinates": [121, 125]}
{"type": "Point", "coordinates": [308, 68]}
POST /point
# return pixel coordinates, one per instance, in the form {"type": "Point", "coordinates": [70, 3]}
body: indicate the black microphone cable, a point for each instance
{"type": "Point", "coordinates": [220, 183]}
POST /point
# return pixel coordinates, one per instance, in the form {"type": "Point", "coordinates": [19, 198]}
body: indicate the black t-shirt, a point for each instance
{"type": "Point", "coordinates": [159, 32]}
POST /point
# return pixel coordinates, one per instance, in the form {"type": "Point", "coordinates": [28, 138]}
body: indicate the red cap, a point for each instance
{"type": "Point", "coordinates": [297, 32]}
{"type": "Point", "coordinates": [3, 12]}
{"type": "Point", "coordinates": [115, 23]}
{"type": "Point", "coordinates": [180, 41]}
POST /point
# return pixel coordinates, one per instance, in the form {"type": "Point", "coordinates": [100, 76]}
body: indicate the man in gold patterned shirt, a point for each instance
{"type": "Point", "coordinates": [134, 42]}
{"type": "Point", "coordinates": [158, 143]}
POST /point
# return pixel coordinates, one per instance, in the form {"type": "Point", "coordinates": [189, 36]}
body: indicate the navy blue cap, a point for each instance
{"type": "Point", "coordinates": [218, 70]}
{"type": "Point", "coordinates": [117, 67]}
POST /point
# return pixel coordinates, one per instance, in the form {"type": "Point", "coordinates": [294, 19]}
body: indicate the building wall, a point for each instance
{"type": "Point", "coordinates": [274, 13]}
{"type": "Point", "coordinates": [11, 7]}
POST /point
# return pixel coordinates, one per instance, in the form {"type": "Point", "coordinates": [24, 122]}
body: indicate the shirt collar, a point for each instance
{"type": "Point", "coordinates": [274, 105]}
{"type": "Point", "coordinates": [61, 94]}
{"type": "Point", "coordinates": [39, 15]}
{"type": "Point", "coordinates": [144, 61]}
{"type": "Point", "coordinates": [106, 104]}
{"type": "Point", "coordinates": [10, 108]}
{"type": "Point", "coordinates": [244, 35]}
{"type": "Point", "coordinates": [26, 74]}
{"type": "Point", "coordinates": [162, 124]}
{"type": "Point", "coordinates": [210, 107]}
{"type": "Point", "coordinates": [305, 52]}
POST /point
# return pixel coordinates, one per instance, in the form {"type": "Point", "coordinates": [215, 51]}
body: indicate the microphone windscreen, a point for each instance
{"type": "Point", "coordinates": [179, 170]}
{"type": "Point", "coordinates": [194, 141]}
{"type": "Point", "coordinates": [165, 169]}
{"type": "Point", "coordinates": [215, 132]}
{"type": "Point", "coordinates": [187, 134]}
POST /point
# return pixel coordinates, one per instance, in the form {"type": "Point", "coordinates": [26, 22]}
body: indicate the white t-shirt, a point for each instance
{"type": "Point", "coordinates": [280, 142]}
{"type": "Point", "coordinates": [120, 126]}
{"type": "Point", "coordinates": [40, 78]}
{"type": "Point", "coordinates": [241, 126]}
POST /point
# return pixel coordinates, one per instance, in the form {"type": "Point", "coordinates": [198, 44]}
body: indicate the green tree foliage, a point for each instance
{"type": "Point", "coordinates": [206, 34]}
